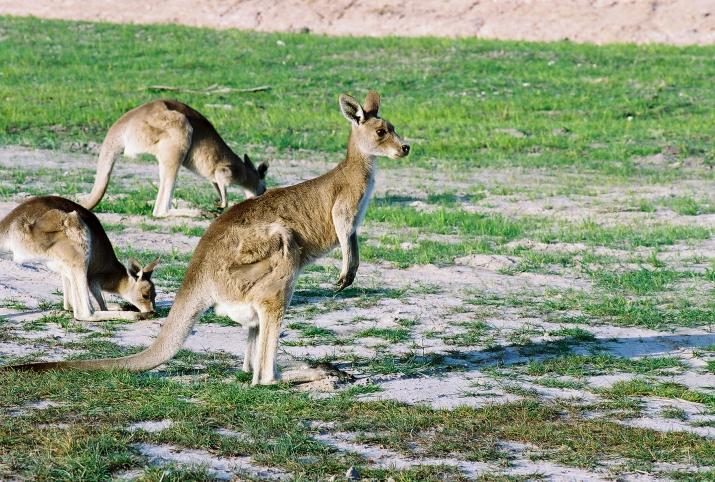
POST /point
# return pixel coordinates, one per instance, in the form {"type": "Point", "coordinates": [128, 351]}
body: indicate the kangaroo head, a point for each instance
{"type": "Point", "coordinates": [371, 134]}
{"type": "Point", "coordinates": [243, 172]}
{"type": "Point", "coordinates": [140, 290]}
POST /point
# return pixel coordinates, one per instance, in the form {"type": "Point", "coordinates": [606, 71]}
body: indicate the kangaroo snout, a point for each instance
{"type": "Point", "coordinates": [401, 151]}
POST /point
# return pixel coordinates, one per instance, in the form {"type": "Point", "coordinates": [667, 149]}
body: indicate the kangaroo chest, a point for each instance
{"type": "Point", "coordinates": [365, 200]}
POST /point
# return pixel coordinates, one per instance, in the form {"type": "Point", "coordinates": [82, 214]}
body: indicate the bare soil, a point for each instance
{"type": "Point", "coordinates": [678, 22]}
{"type": "Point", "coordinates": [462, 376]}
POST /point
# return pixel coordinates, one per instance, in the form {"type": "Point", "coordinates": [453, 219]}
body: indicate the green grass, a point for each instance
{"type": "Point", "coordinates": [478, 233]}
{"type": "Point", "coordinates": [138, 202]}
{"type": "Point", "coordinates": [674, 413]}
{"type": "Point", "coordinates": [393, 335]}
{"type": "Point", "coordinates": [651, 311]}
{"type": "Point", "coordinates": [404, 251]}
{"type": "Point", "coordinates": [648, 312]}
{"type": "Point", "coordinates": [536, 88]}
{"type": "Point", "coordinates": [641, 387]}
{"type": "Point", "coordinates": [689, 206]}
{"type": "Point", "coordinates": [13, 305]}
{"type": "Point", "coordinates": [626, 236]}
{"type": "Point", "coordinates": [575, 334]}
{"type": "Point", "coordinates": [98, 407]}
{"type": "Point", "coordinates": [308, 330]}
{"type": "Point", "coordinates": [448, 221]}
{"type": "Point", "coordinates": [61, 318]}
{"type": "Point", "coordinates": [640, 281]}
{"type": "Point", "coordinates": [589, 365]}
{"type": "Point", "coordinates": [407, 364]}
{"type": "Point", "coordinates": [474, 334]}
{"type": "Point", "coordinates": [560, 98]}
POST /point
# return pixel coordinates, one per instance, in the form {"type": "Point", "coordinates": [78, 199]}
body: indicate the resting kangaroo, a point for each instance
{"type": "Point", "coordinates": [247, 262]}
{"type": "Point", "coordinates": [70, 241]}
{"type": "Point", "coordinates": [176, 135]}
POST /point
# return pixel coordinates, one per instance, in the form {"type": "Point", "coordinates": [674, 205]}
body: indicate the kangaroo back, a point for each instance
{"type": "Point", "coordinates": [112, 147]}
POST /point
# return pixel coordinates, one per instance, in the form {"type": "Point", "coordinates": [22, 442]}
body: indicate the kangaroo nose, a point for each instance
{"type": "Point", "coordinates": [405, 148]}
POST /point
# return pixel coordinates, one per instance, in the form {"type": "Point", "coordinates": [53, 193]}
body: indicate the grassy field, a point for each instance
{"type": "Point", "coordinates": [463, 103]}
{"type": "Point", "coordinates": [535, 298]}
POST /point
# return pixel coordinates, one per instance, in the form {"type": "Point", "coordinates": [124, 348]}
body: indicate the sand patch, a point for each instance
{"type": "Point", "coordinates": [681, 22]}
{"type": "Point", "coordinates": [222, 468]}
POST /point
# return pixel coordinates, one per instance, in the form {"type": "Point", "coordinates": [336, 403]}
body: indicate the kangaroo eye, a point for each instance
{"type": "Point", "coordinates": [381, 132]}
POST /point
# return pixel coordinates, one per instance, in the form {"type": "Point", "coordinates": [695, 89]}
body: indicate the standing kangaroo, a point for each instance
{"type": "Point", "coordinates": [70, 241]}
{"type": "Point", "coordinates": [176, 135]}
{"type": "Point", "coordinates": [247, 262]}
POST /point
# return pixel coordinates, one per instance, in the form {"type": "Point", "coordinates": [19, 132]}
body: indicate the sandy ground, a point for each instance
{"type": "Point", "coordinates": [679, 22]}
{"type": "Point", "coordinates": [436, 297]}
{"type": "Point", "coordinates": [462, 377]}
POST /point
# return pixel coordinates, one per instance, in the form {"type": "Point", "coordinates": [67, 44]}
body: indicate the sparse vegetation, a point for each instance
{"type": "Point", "coordinates": [527, 264]}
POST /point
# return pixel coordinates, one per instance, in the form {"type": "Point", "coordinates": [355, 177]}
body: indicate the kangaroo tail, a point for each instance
{"type": "Point", "coordinates": [187, 308]}
{"type": "Point", "coordinates": [112, 147]}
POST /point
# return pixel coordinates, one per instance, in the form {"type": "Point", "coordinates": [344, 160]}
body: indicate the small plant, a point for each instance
{"type": "Point", "coordinates": [13, 305]}
{"type": "Point", "coordinates": [674, 413]}
{"type": "Point", "coordinates": [575, 334]}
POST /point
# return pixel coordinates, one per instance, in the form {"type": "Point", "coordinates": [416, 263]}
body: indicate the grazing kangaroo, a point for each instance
{"type": "Point", "coordinates": [247, 262]}
{"type": "Point", "coordinates": [176, 135]}
{"type": "Point", "coordinates": [70, 241]}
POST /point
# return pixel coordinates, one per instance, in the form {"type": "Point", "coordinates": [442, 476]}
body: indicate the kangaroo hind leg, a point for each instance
{"type": "Point", "coordinates": [250, 348]}
{"type": "Point", "coordinates": [64, 238]}
{"type": "Point", "coordinates": [245, 315]}
{"type": "Point", "coordinates": [265, 368]}
{"type": "Point", "coordinates": [169, 164]}
{"type": "Point", "coordinates": [170, 152]}
{"type": "Point", "coordinates": [81, 305]}
{"type": "Point", "coordinates": [66, 294]}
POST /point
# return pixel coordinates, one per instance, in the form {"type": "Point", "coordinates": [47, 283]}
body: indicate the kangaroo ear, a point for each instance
{"type": "Point", "coordinates": [135, 268]}
{"type": "Point", "coordinates": [262, 168]}
{"type": "Point", "coordinates": [247, 161]}
{"type": "Point", "coordinates": [372, 104]}
{"type": "Point", "coordinates": [351, 109]}
{"type": "Point", "coordinates": [149, 268]}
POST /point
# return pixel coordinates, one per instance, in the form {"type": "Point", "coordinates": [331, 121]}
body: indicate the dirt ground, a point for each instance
{"type": "Point", "coordinates": [444, 299]}
{"type": "Point", "coordinates": [442, 308]}
{"type": "Point", "coordinates": [678, 22]}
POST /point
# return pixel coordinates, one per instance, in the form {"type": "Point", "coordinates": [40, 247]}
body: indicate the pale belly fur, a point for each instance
{"type": "Point", "coordinates": [241, 313]}
{"type": "Point", "coordinates": [22, 256]}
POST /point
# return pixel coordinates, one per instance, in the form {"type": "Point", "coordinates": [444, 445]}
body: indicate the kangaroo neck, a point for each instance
{"type": "Point", "coordinates": [358, 168]}
{"type": "Point", "coordinates": [230, 157]}
{"type": "Point", "coordinates": [116, 280]}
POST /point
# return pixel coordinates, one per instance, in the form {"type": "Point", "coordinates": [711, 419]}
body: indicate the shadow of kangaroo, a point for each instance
{"type": "Point", "coordinates": [247, 262]}
{"type": "Point", "coordinates": [176, 135]}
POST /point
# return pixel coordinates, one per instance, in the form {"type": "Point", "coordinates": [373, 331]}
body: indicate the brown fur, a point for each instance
{"type": "Point", "coordinates": [71, 241]}
{"type": "Point", "coordinates": [176, 135]}
{"type": "Point", "coordinates": [246, 264]}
